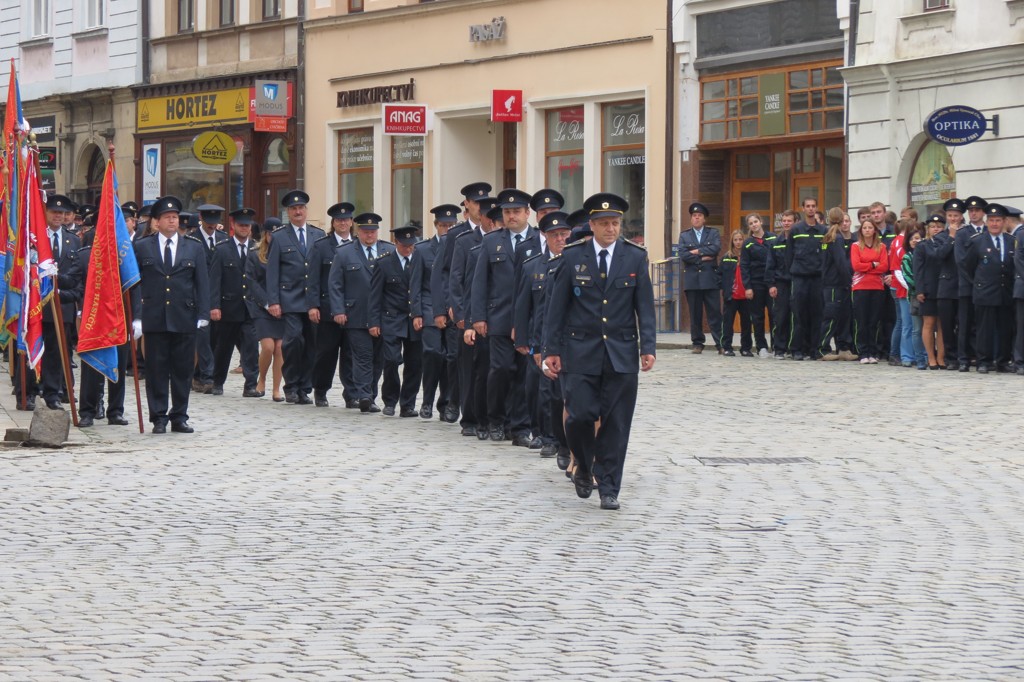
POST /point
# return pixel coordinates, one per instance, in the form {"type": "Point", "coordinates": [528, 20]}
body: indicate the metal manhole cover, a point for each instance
{"type": "Point", "coordinates": [718, 461]}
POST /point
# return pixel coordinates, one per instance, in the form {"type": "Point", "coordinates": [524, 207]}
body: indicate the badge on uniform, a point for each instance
{"type": "Point", "coordinates": [529, 252]}
{"type": "Point", "coordinates": [499, 248]}
{"type": "Point", "coordinates": [576, 290]}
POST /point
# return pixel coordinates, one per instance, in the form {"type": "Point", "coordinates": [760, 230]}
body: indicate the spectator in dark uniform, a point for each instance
{"type": "Point", "coordinates": [600, 330]}
{"type": "Point", "coordinates": [288, 272]}
{"type": "Point", "coordinates": [332, 351]}
{"type": "Point", "coordinates": [699, 247]}
{"type": "Point", "coordinates": [435, 341]}
{"type": "Point", "coordinates": [349, 289]}
{"type": "Point", "coordinates": [755, 258]}
{"type": "Point", "coordinates": [396, 317]}
{"type": "Point", "coordinates": [780, 288]}
{"type": "Point", "coordinates": [990, 262]}
{"type": "Point", "coordinates": [940, 248]}
{"type": "Point", "coordinates": [269, 330]}
{"type": "Point", "coordinates": [804, 256]}
{"type": "Point", "coordinates": [175, 293]}
{"type": "Point", "coordinates": [228, 286]}
{"type": "Point", "coordinates": [966, 324]}
{"type": "Point", "coordinates": [836, 279]}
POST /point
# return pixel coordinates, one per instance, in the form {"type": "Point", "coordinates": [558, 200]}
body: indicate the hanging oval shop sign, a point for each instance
{"type": "Point", "coordinates": [214, 148]}
{"type": "Point", "coordinates": [956, 125]}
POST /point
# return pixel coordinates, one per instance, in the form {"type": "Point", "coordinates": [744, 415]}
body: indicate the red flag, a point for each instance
{"type": "Point", "coordinates": [103, 323]}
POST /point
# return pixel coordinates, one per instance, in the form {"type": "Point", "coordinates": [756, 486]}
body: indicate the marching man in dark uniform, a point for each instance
{"type": "Point", "coordinates": [966, 322]}
{"type": "Point", "coordinates": [175, 291]}
{"type": "Point", "coordinates": [435, 341]}
{"type": "Point", "coordinates": [599, 331]}
{"type": "Point", "coordinates": [332, 352]}
{"type": "Point", "coordinates": [288, 272]}
{"type": "Point", "coordinates": [71, 286]}
{"type": "Point", "coordinates": [698, 249]}
{"type": "Point", "coordinates": [228, 289]}
{"type": "Point", "coordinates": [396, 317]}
{"type": "Point", "coordinates": [990, 262]}
{"type": "Point", "coordinates": [349, 290]}
{"type": "Point", "coordinates": [210, 234]}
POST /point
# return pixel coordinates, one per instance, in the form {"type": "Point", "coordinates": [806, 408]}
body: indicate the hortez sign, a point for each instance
{"type": "Point", "coordinates": [956, 125]}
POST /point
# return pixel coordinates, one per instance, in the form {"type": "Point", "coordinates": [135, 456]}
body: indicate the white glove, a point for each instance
{"type": "Point", "coordinates": [201, 323]}
{"type": "Point", "coordinates": [136, 330]}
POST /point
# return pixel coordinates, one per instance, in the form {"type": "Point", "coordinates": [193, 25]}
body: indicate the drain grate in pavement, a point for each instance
{"type": "Point", "coordinates": [718, 461]}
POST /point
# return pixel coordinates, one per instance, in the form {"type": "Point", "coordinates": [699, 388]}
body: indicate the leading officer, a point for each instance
{"type": "Point", "coordinates": [599, 331]}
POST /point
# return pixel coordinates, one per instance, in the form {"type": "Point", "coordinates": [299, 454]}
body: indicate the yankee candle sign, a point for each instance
{"type": "Point", "coordinates": [405, 119]}
{"type": "Point", "coordinates": [955, 125]}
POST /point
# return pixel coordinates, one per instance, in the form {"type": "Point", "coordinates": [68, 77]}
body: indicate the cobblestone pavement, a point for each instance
{"type": "Point", "coordinates": [299, 543]}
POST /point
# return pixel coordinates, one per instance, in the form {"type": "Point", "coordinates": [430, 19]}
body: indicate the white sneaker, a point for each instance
{"type": "Point", "coordinates": [763, 353]}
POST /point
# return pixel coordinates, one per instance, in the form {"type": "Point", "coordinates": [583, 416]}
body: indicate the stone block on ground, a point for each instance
{"type": "Point", "coordinates": [49, 428]}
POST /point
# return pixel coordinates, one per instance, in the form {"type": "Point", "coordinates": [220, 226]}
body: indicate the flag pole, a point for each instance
{"type": "Point", "coordinates": [24, 367]}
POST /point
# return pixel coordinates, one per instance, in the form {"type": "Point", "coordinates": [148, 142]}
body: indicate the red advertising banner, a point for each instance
{"type": "Point", "coordinates": [507, 106]}
{"type": "Point", "coordinates": [405, 119]}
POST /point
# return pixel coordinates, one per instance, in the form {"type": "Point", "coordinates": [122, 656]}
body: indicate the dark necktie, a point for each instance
{"type": "Point", "coordinates": [168, 257]}
{"type": "Point", "coordinates": [211, 242]}
{"type": "Point", "coordinates": [369, 253]}
{"type": "Point", "coordinates": [405, 264]}
{"type": "Point", "coordinates": [56, 246]}
{"type": "Point", "coordinates": [519, 240]}
{"type": "Point", "coordinates": [602, 265]}
{"type": "Point", "coordinates": [302, 240]}
{"type": "Point", "coordinates": [241, 250]}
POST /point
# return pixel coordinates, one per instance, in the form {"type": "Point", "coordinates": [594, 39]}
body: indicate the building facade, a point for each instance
{"type": "Point", "coordinates": [761, 106]}
{"type": "Point", "coordinates": [914, 57]}
{"type": "Point", "coordinates": [589, 78]}
{"type": "Point", "coordinates": [198, 134]}
{"type": "Point", "coordinates": [76, 62]}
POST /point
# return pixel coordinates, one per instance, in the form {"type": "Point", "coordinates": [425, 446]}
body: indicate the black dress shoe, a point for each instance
{"type": "Point", "coordinates": [1003, 368]}
{"type": "Point", "coordinates": [426, 412]}
{"type": "Point", "coordinates": [584, 484]}
{"type": "Point", "coordinates": [29, 406]}
{"type": "Point", "coordinates": [609, 502]}
{"type": "Point", "coordinates": [537, 443]}
{"type": "Point", "coordinates": [1020, 371]}
{"type": "Point", "coordinates": [389, 411]}
{"type": "Point", "coordinates": [217, 390]}
{"type": "Point", "coordinates": [522, 441]}
{"type": "Point", "coordinates": [303, 399]}
{"type": "Point", "coordinates": [562, 458]}
{"type": "Point", "coordinates": [966, 367]}
{"type": "Point", "coordinates": [982, 369]}
{"type": "Point", "coordinates": [320, 399]}
{"type": "Point", "coordinates": [364, 405]}
{"type": "Point", "coordinates": [729, 353]}
{"type": "Point", "coordinates": [409, 412]}
{"type": "Point", "coordinates": [252, 393]}
{"type": "Point", "coordinates": [290, 398]}
{"type": "Point", "coordinates": [54, 404]}
{"type": "Point", "coordinates": [451, 415]}
{"type": "Point", "coordinates": [953, 366]}
{"type": "Point", "coordinates": [101, 412]}
{"type": "Point", "coordinates": [351, 404]}
{"type": "Point", "coordinates": [117, 420]}
{"type": "Point", "coordinates": [374, 408]}
{"type": "Point", "coordinates": [182, 427]}
{"type": "Point", "coordinates": [481, 433]}
{"type": "Point", "coordinates": [159, 428]}
{"type": "Point", "coordinates": [548, 450]}
{"type": "Point", "coordinates": [84, 422]}
{"type": "Point", "coordinates": [496, 433]}
{"type": "Point", "coordinates": [746, 354]}
{"type": "Point", "coordinates": [469, 431]}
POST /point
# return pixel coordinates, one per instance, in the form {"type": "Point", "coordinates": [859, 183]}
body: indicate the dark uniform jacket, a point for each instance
{"type": "Point", "coordinates": [462, 274]}
{"type": "Point", "coordinates": [228, 281]}
{"type": "Point", "coordinates": [174, 300]}
{"type": "Point", "coordinates": [439, 285]}
{"type": "Point", "coordinates": [779, 264]}
{"type": "Point", "coordinates": [698, 273]}
{"type": "Point", "coordinates": [961, 245]}
{"type": "Point", "coordinates": [585, 320]}
{"type": "Point", "coordinates": [531, 289]}
{"type": "Point", "coordinates": [219, 236]}
{"type": "Point", "coordinates": [836, 268]}
{"type": "Point", "coordinates": [940, 250]}
{"type": "Point", "coordinates": [70, 278]}
{"type": "Point", "coordinates": [320, 260]}
{"type": "Point", "coordinates": [993, 278]}
{"type": "Point", "coordinates": [1018, 260]}
{"type": "Point", "coordinates": [431, 253]}
{"type": "Point", "coordinates": [395, 295]}
{"type": "Point", "coordinates": [927, 269]}
{"type": "Point", "coordinates": [256, 280]}
{"type": "Point", "coordinates": [754, 261]}
{"type": "Point", "coordinates": [288, 270]}
{"type": "Point", "coordinates": [803, 249]}
{"type": "Point", "coordinates": [349, 282]}
{"type": "Point", "coordinates": [494, 279]}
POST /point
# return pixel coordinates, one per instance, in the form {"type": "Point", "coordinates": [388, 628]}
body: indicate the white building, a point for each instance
{"type": "Point", "coordinates": [76, 61]}
{"type": "Point", "coordinates": [912, 60]}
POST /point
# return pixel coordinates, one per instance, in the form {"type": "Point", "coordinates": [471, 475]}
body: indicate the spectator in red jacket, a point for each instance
{"type": "Point", "coordinates": [870, 277]}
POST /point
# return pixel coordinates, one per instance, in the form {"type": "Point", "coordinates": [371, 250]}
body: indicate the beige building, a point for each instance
{"type": "Point", "coordinates": [590, 77]}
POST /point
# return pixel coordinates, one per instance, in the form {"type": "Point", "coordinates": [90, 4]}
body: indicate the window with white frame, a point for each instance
{"type": "Point", "coordinates": [935, 4]}
{"type": "Point", "coordinates": [94, 13]}
{"type": "Point", "coordinates": [39, 18]}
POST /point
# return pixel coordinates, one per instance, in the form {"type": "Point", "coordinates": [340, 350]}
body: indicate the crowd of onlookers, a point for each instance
{"type": "Point", "coordinates": [945, 292]}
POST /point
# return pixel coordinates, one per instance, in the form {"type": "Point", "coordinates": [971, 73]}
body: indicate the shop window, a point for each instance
{"type": "Point", "coordinates": [271, 9]}
{"type": "Point", "coordinates": [623, 159]}
{"type": "Point", "coordinates": [186, 16]}
{"type": "Point", "coordinates": [406, 180]}
{"type": "Point", "coordinates": [191, 180]}
{"type": "Point", "coordinates": [236, 176]}
{"type": "Point", "coordinates": [564, 152]}
{"type": "Point", "coordinates": [276, 158]}
{"type": "Point", "coordinates": [355, 167]}
{"type": "Point", "coordinates": [39, 18]}
{"type": "Point", "coordinates": [227, 12]}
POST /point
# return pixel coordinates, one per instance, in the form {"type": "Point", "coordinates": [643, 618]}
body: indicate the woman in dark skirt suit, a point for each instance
{"type": "Point", "coordinates": [269, 330]}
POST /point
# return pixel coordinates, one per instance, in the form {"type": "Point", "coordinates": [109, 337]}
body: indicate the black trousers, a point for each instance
{"type": "Point", "coordinates": [835, 320]}
{"type": "Point", "coordinates": [552, 410]}
{"type": "Point", "coordinates": [52, 368]}
{"type": "Point", "coordinates": [297, 348]}
{"type": "Point", "coordinates": [868, 307]}
{"type": "Point", "coordinates": [757, 308]}
{"type": "Point", "coordinates": [397, 352]}
{"type": "Point", "coordinates": [947, 323]}
{"type": "Point", "coordinates": [240, 335]}
{"type": "Point", "coordinates": [465, 364]}
{"type": "Point", "coordinates": [965, 351]}
{"type": "Point", "coordinates": [535, 410]}
{"type": "Point", "coordinates": [782, 322]}
{"type": "Point", "coordinates": [734, 307]}
{"type": "Point", "coordinates": [453, 339]}
{"type": "Point", "coordinates": [435, 367]}
{"type": "Point", "coordinates": [805, 309]}
{"type": "Point", "coordinates": [169, 357]}
{"type": "Point", "coordinates": [475, 401]}
{"type": "Point", "coordinates": [699, 301]}
{"type": "Point", "coordinates": [332, 354]}
{"type": "Point", "coordinates": [887, 323]}
{"type": "Point", "coordinates": [610, 397]}
{"type": "Point", "coordinates": [1018, 339]}
{"type": "Point", "coordinates": [994, 329]}
{"type": "Point", "coordinates": [506, 393]}
{"type": "Point", "coordinates": [92, 388]}
{"type": "Point", "coordinates": [367, 361]}
{"type": "Point", "coordinates": [204, 353]}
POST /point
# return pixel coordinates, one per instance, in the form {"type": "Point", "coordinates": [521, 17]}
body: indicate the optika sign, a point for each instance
{"type": "Point", "coordinates": [405, 119]}
{"type": "Point", "coordinates": [956, 125]}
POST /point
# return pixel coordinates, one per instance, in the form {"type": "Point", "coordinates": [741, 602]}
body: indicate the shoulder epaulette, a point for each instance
{"type": "Point", "coordinates": [635, 245]}
{"type": "Point", "coordinates": [574, 245]}
{"type": "Point", "coordinates": [533, 257]}
{"type": "Point", "coordinates": [348, 243]}
{"type": "Point", "coordinates": [382, 255]}
{"type": "Point", "coordinates": [197, 240]}
{"type": "Point", "coordinates": [148, 236]}
{"type": "Point", "coordinates": [278, 228]}
{"type": "Point", "coordinates": [463, 234]}
{"type": "Point", "coordinates": [475, 247]}
{"type": "Point", "coordinates": [322, 238]}
{"type": "Point", "coordinates": [423, 243]}
{"type": "Point", "coordinates": [555, 257]}
{"type": "Point", "coordinates": [384, 241]}
{"type": "Point", "coordinates": [83, 248]}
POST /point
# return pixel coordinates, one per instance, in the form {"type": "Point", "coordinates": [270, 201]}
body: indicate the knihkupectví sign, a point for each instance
{"type": "Point", "coordinates": [955, 125]}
